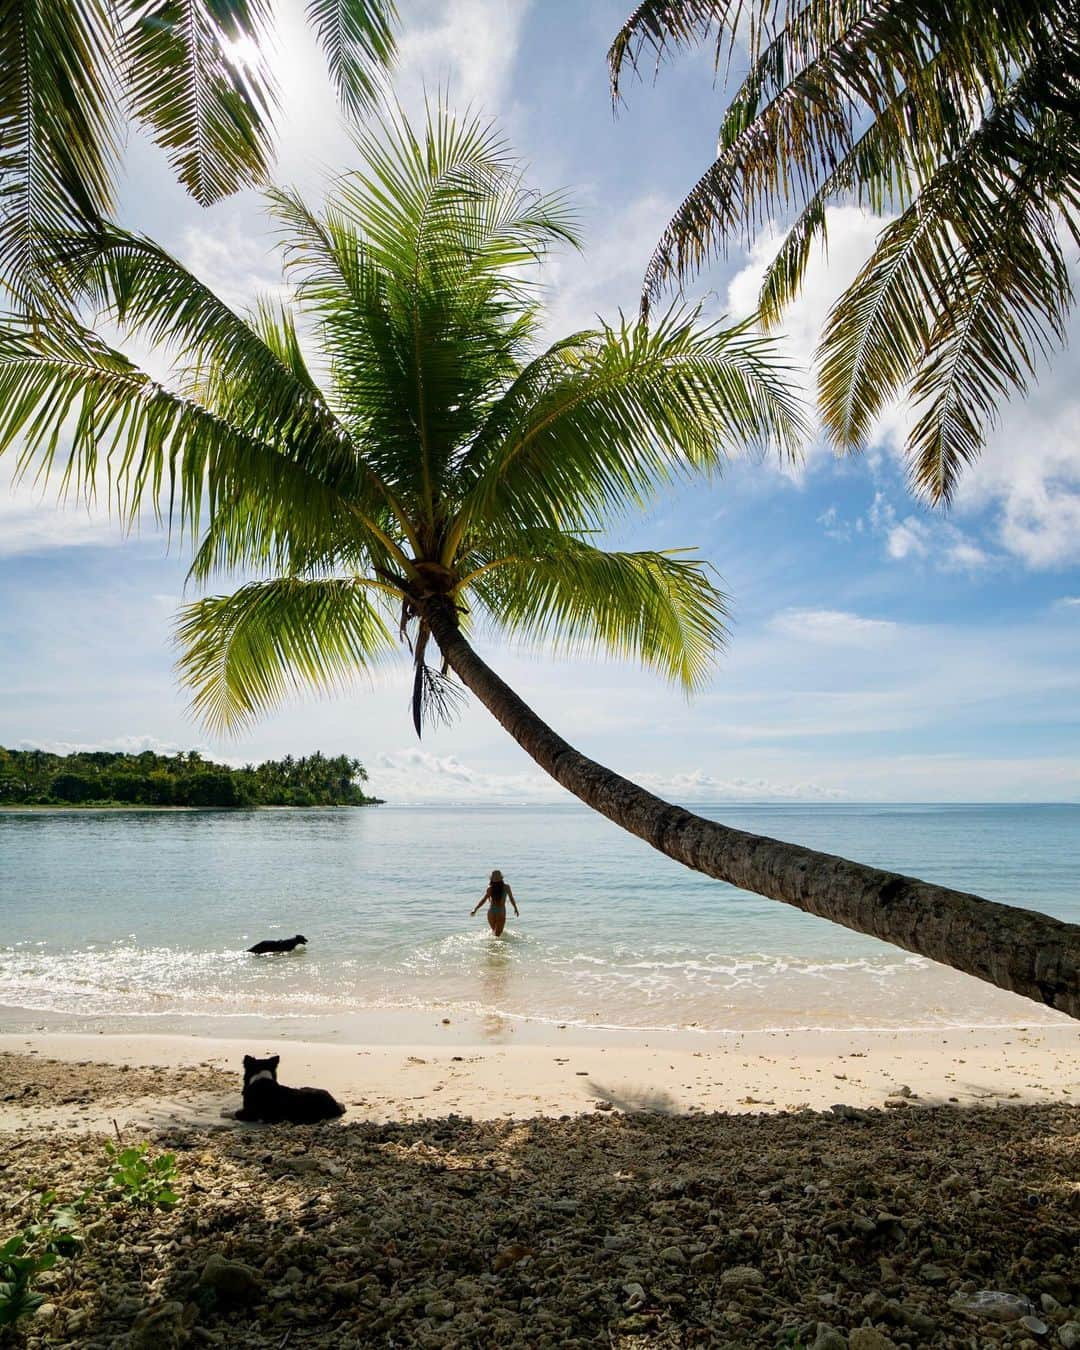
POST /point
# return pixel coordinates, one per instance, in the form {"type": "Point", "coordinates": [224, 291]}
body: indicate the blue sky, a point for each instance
{"type": "Point", "coordinates": [879, 650]}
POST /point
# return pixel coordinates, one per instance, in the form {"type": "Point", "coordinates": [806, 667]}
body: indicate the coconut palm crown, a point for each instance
{"type": "Point", "coordinates": [958, 118]}
{"type": "Point", "coordinates": [431, 451]}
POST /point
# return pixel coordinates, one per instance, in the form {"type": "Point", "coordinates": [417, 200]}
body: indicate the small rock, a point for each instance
{"type": "Point", "coordinates": [635, 1295]}
{"type": "Point", "coordinates": [705, 1263]}
{"type": "Point", "coordinates": [741, 1277]}
{"type": "Point", "coordinates": [618, 1242]}
{"type": "Point", "coordinates": [160, 1328]}
{"type": "Point", "coordinates": [828, 1338]}
{"type": "Point", "coordinates": [919, 1322]}
{"type": "Point", "coordinates": [1069, 1335]}
{"type": "Point", "coordinates": [674, 1256]}
{"type": "Point", "coordinates": [344, 1291]}
{"type": "Point", "coordinates": [934, 1274]}
{"type": "Point", "coordinates": [1035, 1325]}
{"type": "Point", "coordinates": [510, 1256]}
{"type": "Point", "coordinates": [231, 1281]}
{"type": "Point", "coordinates": [869, 1338]}
{"type": "Point", "coordinates": [46, 1312]}
{"type": "Point", "coordinates": [439, 1307]}
{"type": "Point", "coordinates": [1049, 1303]}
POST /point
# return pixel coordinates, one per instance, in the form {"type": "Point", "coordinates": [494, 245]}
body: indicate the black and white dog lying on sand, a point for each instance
{"type": "Point", "coordinates": [267, 1100]}
{"type": "Point", "coordinates": [278, 945]}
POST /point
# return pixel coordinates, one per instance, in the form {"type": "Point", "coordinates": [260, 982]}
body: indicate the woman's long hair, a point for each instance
{"type": "Point", "coordinates": [497, 885]}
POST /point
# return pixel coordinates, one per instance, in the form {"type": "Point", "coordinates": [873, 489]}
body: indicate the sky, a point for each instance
{"type": "Point", "coordinates": [879, 650]}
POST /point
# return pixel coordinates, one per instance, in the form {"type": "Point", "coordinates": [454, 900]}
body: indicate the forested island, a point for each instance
{"type": "Point", "coordinates": [108, 778]}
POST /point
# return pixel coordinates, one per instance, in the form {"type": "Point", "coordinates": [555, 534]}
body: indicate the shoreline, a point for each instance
{"type": "Point", "coordinates": [69, 808]}
{"type": "Point", "coordinates": [410, 1073]}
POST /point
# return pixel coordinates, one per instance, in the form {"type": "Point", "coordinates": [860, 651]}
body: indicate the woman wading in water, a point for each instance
{"type": "Point", "coordinates": [495, 897]}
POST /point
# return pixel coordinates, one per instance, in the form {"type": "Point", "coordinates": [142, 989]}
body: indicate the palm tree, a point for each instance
{"type": "Point", "coordinates": [189, 71]}
{"type": "Point", "coordinates": [435, 475]}
{"type": "Point", "coordinates": [963, 118]}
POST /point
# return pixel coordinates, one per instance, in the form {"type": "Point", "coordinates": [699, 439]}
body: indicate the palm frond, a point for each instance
{"type": "Point", "coordinates": [600, 421]}
{"type": "Point", "coordinates": [78, 409]}
{"type": "Point", "coordinates": [242, 654]}
{"type": "Point", "coordinates": [210, 113]}
{"type": "Point", "coordinates": [449, 200]}
{"type": "Point", "coordinates": [912, 312]}
{"type": "Point", "coordinates": [666, 25]}
{"type": "Point", "coordinates": [357, 37]}
{"type": "Point", "coordinates": [832, 67]}
{"type": "Point", "coordinates": [1008, 307]}
{"type": "Point", "coordinates": [415, 276]}
{"type": "Point", "coordinates": [58, 132]}
{"type": "Point", "coordinates": [660, 609]}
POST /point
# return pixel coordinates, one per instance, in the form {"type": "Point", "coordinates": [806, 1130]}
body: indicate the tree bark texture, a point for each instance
{"type": "Point", "coordinates": [1017, 949]}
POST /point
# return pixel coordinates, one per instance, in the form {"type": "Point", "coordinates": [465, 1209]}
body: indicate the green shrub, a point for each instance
{"type": "Point", "coordinates": [19, 1268]}
{"type": "Point", "coordinates": [54, 1233]}
{"type": "Point", "coordinates": [139, 1179]}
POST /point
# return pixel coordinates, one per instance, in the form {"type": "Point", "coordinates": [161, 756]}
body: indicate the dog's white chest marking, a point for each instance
{"type": "Point", "coordinates": [263, 1073]}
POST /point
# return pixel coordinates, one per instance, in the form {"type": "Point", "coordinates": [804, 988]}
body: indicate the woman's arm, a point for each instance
{"type": "Point", "coordinates": [510, 895]}
{"type": "Point", "coordinates": [482, 899]}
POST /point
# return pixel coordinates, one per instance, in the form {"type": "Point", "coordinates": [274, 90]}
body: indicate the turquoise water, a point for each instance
{"type": "Point", "coordinates": [140, 914]}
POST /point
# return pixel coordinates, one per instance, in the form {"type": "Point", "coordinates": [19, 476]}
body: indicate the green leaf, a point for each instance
{"type": "Point", "coordinates": [58, 132]}
{"type": "Point", "coordinates": [660, 609]}
{"type": "Point", "coordinates": [207, 110]}
{"type": "Point", "coordinates": [357, 37]}
{"type": "Point", "coordinates": [243, 653]}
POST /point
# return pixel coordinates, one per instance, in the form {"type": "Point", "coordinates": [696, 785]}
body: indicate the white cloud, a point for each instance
{"type": "Point", "coordinates": [606, 277]}
{"type": "Point", "coordinates": [236, 265]}
{"type": "Point", "coordinates": [967, 556]}
{"type": "Point", "coordinates": [699, 786]}
{"type": "Point", "coordinates": [468, 47]}
{"type": "Point", "coordinates": [415, 777]}
{"type": "Point", "coordinates": [127, 745]}
{"type": "Point", "coordinates": [833, 627]}
{"type": "Point", "coordinates": [1027, 479]}
{"type": "Point", "coordinates": [1068, 601]}
{"type": "Point", "coordinates": [32, 521]}
{"type": "Point", "coordinates": [851, 235]}
{"type": "Point", "coordinates": [1029, 473]}
{"type": "Point", "coordinates": [930, 536]}
{"type": "Point", "coordinates": [908, 539]}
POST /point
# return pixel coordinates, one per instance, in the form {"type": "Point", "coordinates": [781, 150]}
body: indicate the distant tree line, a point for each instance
{"type": "Point", "coordinates": [98, 777]}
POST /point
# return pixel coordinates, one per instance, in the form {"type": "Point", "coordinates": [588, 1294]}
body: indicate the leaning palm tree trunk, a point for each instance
{"type": "Point", "coordinates": [1016, 949]}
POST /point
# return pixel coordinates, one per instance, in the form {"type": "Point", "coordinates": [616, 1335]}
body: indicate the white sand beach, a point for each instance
{"type": "Point", "coordinates": [533, 1070]}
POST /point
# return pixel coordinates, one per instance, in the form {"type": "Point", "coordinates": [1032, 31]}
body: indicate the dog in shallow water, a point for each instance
{"type": "Point", "coordinates": [278, 945]}
{"type": "Point", "coordinates": [267, 1100]}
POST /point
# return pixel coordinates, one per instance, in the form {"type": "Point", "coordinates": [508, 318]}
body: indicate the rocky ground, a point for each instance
{"type": "Point", "coordinates": [857, 1229]}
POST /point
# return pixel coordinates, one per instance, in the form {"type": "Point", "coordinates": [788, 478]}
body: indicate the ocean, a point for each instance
{"type": "Point", "coordinates": [140, 919]}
